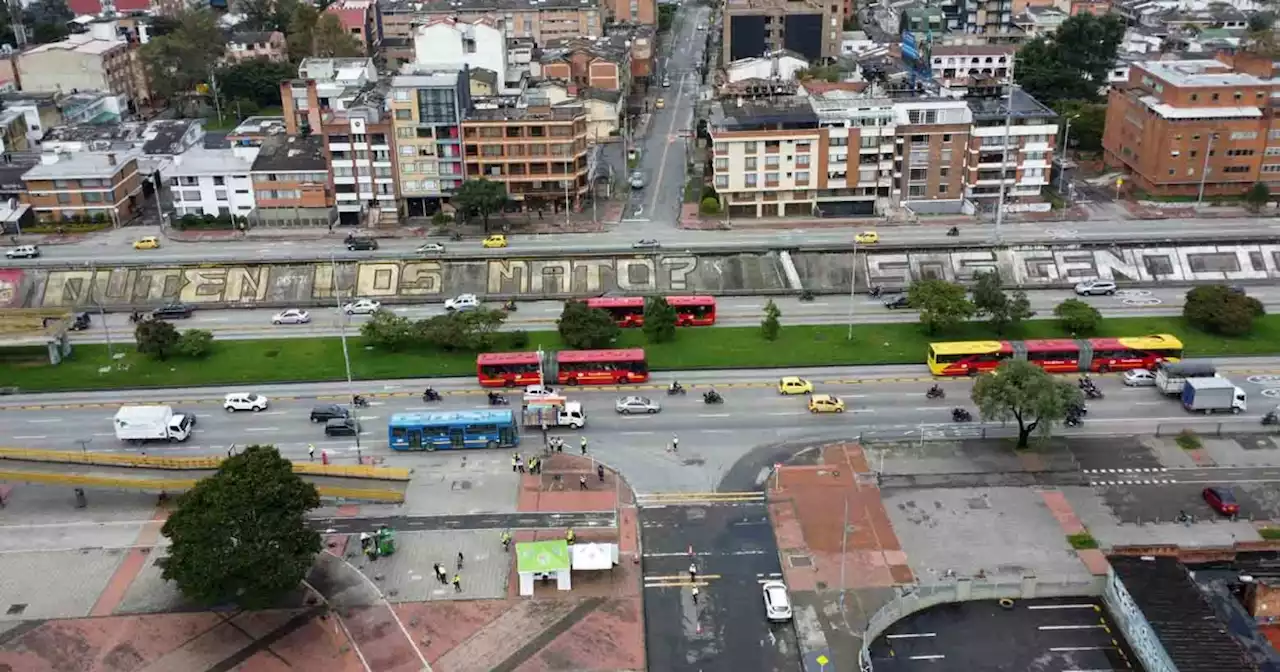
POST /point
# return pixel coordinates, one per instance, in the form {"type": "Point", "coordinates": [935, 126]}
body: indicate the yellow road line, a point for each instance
{"type": "Point", "coordinates": [677, 584]}
{"type": "Point", "coordinates": [679, 577]}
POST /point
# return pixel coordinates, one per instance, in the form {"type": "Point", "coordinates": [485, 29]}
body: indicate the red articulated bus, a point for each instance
{"type": "Point", "coordinates": [1055, 355]}
{"type": "Point", "coordinates": [628, 311]}
{"type": "Point", "coordinates": [601, 367]}
{"type": "Point", "coordinates": [508, 369]}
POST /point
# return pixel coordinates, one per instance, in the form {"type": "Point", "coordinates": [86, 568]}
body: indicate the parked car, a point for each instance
{"type": "Point", "coordinates": [244, 401]}
{"type": "Point", "coordinates": [23, 252]}
{"type": "Point", "coordinates": [897, 302]}
{"type": "Point", "coordinates": [172, 311]}
{"type": "Point", "coordinates": [361, 243]}
{"type": "Point", "coordinates": [1139, 378]}
{"type": "Point", "coordinates": [630, 405]}
{"type": "Point", "coordinates": [462, 303]}
{"type": "Point", "coordinates": [1095, 288]}
{"type": "Point", "coordinates": [291, 316]}
{"type": "Point", "coordinates": [362, 307]}
{"type": "Point", "coordinates": [1221, 500]}
{"type": "Point", "coordinates": [341, 427]}
{"type": "Point", "coordinates": [777, 604]}
{"type": "Point", "coordinates": [327, 412]}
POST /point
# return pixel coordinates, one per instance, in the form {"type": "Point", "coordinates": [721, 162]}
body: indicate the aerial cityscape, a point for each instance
{"type": "Point", "coordinates": [620, 335]}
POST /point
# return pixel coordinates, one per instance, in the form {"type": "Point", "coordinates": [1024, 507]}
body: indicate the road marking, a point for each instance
{"type": "Point", "coordinates": [104, 434]}
{"type": "Point", "coordinates": [20, 438]}
{"type": "Point", "coordinates": [45, 422]}
{"type": "Point", "coordinates": [1064, 606]}
{"type": "Point", "coordinates": [678, 577]}
{"type": "Point", "coordinates": [717, 431]}
{"type": "Point", "coordinates": [1094, 626]}
{"type": "Point", "coordinates": [912, 635]}
{"type": "Point", "coordinates": [261, 429]}
{"type": "Point", "coordinates": [929, 408]}
{"type": "Point", "coordinates": [715, 415]}
{"type": "Point", "coordinates": [936, 656]}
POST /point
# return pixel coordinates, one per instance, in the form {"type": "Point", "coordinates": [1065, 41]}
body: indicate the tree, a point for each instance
{"type": "Point", "coordinates": [300, 38]}
{"type": "Point", "coordinates": [1077, 317]}
{"type": "Point", "coordinates": [659, 320]}
{"type": "Point", "coordinates": [195, 343]}
{"type": "Point", "coordinates": [240, 536]}
{"type": "Point", "coordinates": [47, 20]}
{"type": "Point", "coordinates": [1258, 196]}
{"type": "Point", "coordinates": [329, 39]}
{"type": "Point", "coordinates": [942, 305]}
{"type": "Point", "coordinates": [1023, 392]}
{"type": "Point", "coordinates": [472, 330]}
{"type": "Point", "coordinates": [1000, 309]}
{"type": "Point", "coordinates": [479, 197]}
{"type": "Point", "coordinates": [1218, 309]}
{"type": "Point", "coordinates": [257, 80]}
{"type": "Point", "coordinates": [1071, 64]}
{"type": "Point", "coordinates": [268, 14]}
{"type": "Point", "coordinates": [1087, 123]}
{"type": "Point", "coordinates": [387, 331]}
{"type": "Point", "coordinates": [771, 327]}
{"type": "Point", "coordinates": [584, 328]}
{"type": "Point", "coordinates": [178, 63]}
{"type": "Point", "coordinates": [156, 338]}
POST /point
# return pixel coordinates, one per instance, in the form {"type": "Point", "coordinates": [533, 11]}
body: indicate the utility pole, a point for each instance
{"type": "Point", "coordinates": [853, 280]}
{"type": "Point", "coordinates": [1004, 157]}
{"type": "Point", "coordinates": [1204, 171]}
{"type": "Point", "coordinates": [346, 356]}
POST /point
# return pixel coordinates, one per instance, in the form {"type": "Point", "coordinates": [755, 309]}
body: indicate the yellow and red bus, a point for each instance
{"type": "Point", "coordinates": [601, 367]}
{"type": "Point", "coordinates": [1056, 355]}
{"type": "Point", "coordinates": [509, 369]}
{"type": "Point", "coordinates": [628, 311]}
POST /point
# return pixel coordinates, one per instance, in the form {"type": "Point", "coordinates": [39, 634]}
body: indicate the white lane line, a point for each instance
{"type": "Point", "coordinates": [862, 410]}
{"type": "Point", "coordinates": [929, 408]}
{"type": "Point", "coordinates": [912, 635]}
{"type": "Point", "coordinates": [1095, 626]}
{"type": "Point", "coordinates": [105, 434]}
{"type": "Point", "coordinates": [1148, 403]}
{"type": "Point", "coordinates": [714, 415]}
{"type": "Point", "coordinates": [20, 438]}
{"type": "Point", "coordinates": [261, 429]}
{"type": "Point", "coordinates": [270, 413]}
{"type": "Point", "coordinates": [717, 431]}
{"type": "Point", "coordinates": [936, 656]}
{"type": "Point", "coordinates": [1062, 606]}
{"type": "Point", "coordinates": [46, 421]}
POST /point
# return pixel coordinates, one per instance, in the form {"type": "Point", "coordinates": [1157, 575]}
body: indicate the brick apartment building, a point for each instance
{"type": "Point", "coordinates": [540, 153]}
{"type": "Point", "coordinates": [66, 186]}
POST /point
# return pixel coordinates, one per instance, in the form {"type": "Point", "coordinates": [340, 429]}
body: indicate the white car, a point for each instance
{"type": "Point", "coordinates": [241, 401]}
{"type": "Point", "coordinates": [629, 405]}
{"type": "Point", "coordinates": [431, 248]}
{"type": "Point", "coordinates": [538, 392]}
{"type": "Point", "coordinates": [291, 316]}
{"type": "Point", "coordinates": [1096, 287]}
{"type": "Point", "coordinates": [777, 604]}
{"type": "Point", "coordinates": [23, 252]}
{"type": "Point", "coordinates": [1139, 378]}
{"type": "Point", "coordinates": [362, 307]}
{"type": "Point", "coordinates": [462, 302]}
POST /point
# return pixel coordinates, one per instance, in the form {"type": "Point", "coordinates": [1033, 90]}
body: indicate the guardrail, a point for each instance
{"type": "Point", "coordinates": [176, 485]}
{"type": "Point", "coordinates": [194, 464]}
{"type": "Point", "coordinates": [1209, 427]}
{"type": "Point", "coordinates": [979, 430]}
{"type": "Point", "coordinates": [913, 599]}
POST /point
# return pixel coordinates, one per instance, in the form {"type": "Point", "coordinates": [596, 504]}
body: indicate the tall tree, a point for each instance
{"type": "Point", "coordinates": [1025, 393]}
{"type": "Point", "coordinates": [156, 338]}
{"type": "Point", "coordinates": [330, 39]}
{"type": "Point", "coordinates": [479, 197]}
{"type": "Point", "coordinates": [301, 30]}
{"type": "Point", "coordinates": [241, 535]}
{"type": "Point", "coordinates": [257, 80]}
{"type": "Point", "coordinates": [1088, 120]}
{"type": "Point", "coordinates": [47, 20]}
{"type": "Point", "coordinates": [1000, 309]}
{"type": "Point", "coordinates": [178, 63]}
{"type": "Point", "coordinates": [771, 325]}
{"type": "Point", "coordinates": [585, 328]}
{"type": "Point", "coordinates": [942, 305]}
{"type": "Point", "coordinates": [1073, 62]}
{"type": "Point", "coordinates": [659, 320]}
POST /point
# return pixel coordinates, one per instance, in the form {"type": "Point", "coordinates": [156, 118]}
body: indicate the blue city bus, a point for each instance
{"type": "Point", "coordinates": [448, 430]}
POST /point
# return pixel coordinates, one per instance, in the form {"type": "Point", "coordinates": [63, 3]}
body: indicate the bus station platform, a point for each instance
{"type": "Point", "coordinates": [173, 475]}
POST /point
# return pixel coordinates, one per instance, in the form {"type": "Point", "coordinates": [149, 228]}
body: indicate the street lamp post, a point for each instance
{"type": "Point", "coordinates": [1062, 175]}
{"type": "Point", "coordinates": [853, 283]}
{"type": "Point", "coordinates": [346, 356]}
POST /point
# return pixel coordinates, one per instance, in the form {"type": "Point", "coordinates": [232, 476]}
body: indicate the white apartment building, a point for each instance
{"type": "Point", "coordinates": [860, 174]}
{"type": "Point", "coordinates": [449, 44]}
{"type": "Point", "coordinates": [1019, 155]}
{"type": "Point", "coordinates": [212, 182]}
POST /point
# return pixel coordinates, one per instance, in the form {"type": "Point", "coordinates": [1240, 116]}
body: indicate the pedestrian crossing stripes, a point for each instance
{"type": "Point", "coordinates": [1129, 476]}
{"type": "Point", "coordinates": [653, 500]}
{"type": "Point", "coordinates": [766, 578]}
{"type": "Point", "coordinates": [1153, 481]}
{"type": "Point", "coordinates": [1136, 470]}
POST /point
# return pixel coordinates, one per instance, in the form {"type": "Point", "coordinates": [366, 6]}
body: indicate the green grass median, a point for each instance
{"type": "Point", "coordinates": [320, 359]}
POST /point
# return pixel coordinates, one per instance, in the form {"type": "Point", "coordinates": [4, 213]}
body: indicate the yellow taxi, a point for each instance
{"type": "Point", "coordinates": [660, 104]}
{"type": "Point", "coordinates": [148, 243]}
{"type": "Point", "coordinates": [496, 240]}
{"type": "Point", "coordinates": [825, 403]}
{"type": "Point", "coordinates": [867, 238]}
{"type": "Point", "coordinates": [794, 385]}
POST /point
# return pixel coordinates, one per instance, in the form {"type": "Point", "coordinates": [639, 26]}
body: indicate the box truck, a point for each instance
{"type": "Point", "coordinates": [553, 411]}
{"type": "Point", "coordinates": [1171, 377]}
{"type": "Point", "coordinates": [1213, 395]}
{"type": "Point", "coordinates": [136, 424]}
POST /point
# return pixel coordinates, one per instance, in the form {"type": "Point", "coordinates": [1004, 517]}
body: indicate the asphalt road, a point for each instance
{"type": "Point", "coordinates": [735, 311]}
{"type": "Point", "coordinates": [524, 520]}
{"type": "Point", "coordinates": [726, 629]}
{"type": "Point", "coordinates": [883, 402]}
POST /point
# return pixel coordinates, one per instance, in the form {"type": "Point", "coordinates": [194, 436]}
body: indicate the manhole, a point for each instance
{"type": "Point", "coordinates": [15, 609]}
{"type": "Point", "coordinates": [800, 560]}
{"type": "Point", "coordinates": [460, 485]}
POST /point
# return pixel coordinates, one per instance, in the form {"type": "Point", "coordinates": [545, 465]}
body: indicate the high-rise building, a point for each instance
{"type": "Point", "coordinates": [427, 109]}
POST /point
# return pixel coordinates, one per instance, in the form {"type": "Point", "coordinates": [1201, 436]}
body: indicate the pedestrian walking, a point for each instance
{"type": "Point", "coordinates": [311, 452]}
{"type": "Point", "coordinates": [506, 541]}
{"type": "Point", "coordinates": [457, 583]}
{"type": "Point", "coordinates": [533, 465]}
{"type": "Point", "coordinates": [520, 464]}
{"type": "Point", "coordinates": [440, 576]}
{"type": "Point", "coordinates": [693, 572]}
{"type": "Point", "coordinates": [584, 445]}
{"type": "Point", "coordinates": [695, 594]}
{"type": "Point", "coordinates": [582, 482]}
{"type": "Point", "coordinates": [675, 443]}
{"type": "Point", "coordinates": [459, 560]}
{"type": "Point", "coordinates": [600, 472]}
{"type": "Point", "coordinates": [569, 536]}
{"type": "Point", "coordinates": [515, 462]}
{"type": "Point", "coordinates": [559, 444]}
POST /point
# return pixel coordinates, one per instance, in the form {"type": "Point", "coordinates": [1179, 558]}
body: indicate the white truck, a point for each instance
{"type": "Point", "coordinates": [1171, 377]}
{"type": "Point", "coordinates": [1213, 395]}
{"type": "Point", "coordinates": [136, 424]}
{"type": "Point", "coordinates": [553, 411]}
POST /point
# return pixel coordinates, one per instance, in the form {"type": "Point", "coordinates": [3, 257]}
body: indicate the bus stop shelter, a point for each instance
{"type": "Point", "coordinates": [33, 327]}
{"type": "Point", "coordinates": [543, 560]}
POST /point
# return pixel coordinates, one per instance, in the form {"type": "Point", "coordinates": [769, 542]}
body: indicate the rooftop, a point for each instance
{"type": "Point", "coordinates": [163, 136]}
{"type": "Point", "coordinates": [81, 43]}
{"type": "Point", "coordinates": [202, 161]}
{"type": "Point", "coordinates": [985, 109]}
{"type": "Point", "coordinates": [558, 113]}
{"type": "Point", "coordinates": [1200, 72]}
{"type": "Point", "coordinates": [754, 115]}
{"type": "Point", "coordinates": [456, 6]}
{"type": "Point", "coordinates": [291, 154]}
{"type": "Point", "coordinates": [415, 80]}
{"type": "Point", "coordinates": [260, 126]}
{"type": "Point", "coordinates": [1181, 617]}
{"type": "Point", "coordinates": [92, 165]}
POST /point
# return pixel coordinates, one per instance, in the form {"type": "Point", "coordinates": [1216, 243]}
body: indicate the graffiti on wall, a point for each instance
{"type": "Point", "coordinates": [308, 283]}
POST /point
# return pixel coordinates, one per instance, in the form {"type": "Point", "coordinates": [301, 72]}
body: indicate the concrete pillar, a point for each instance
{"type": "Point", "coordinates": [1028, 586]}
{"type": "Point", "coordinates": [964, 587]}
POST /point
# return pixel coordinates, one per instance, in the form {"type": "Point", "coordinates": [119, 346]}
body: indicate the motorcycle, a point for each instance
{"type": "Point", "coordinates": [1073, 421]}
{"type": "Point", "coordinates": [510, 306]}
{"type": "Point", "coordinates": [430, 395]}
{"type": "Point", "coordinates": [359, 402]}
{"type": "Point", "coordinates": [1080, 410]}
{"type": "Point", "coordinates": [876, 292]}
{"type": "Point", "coordinates": [953, 231]}
{"type": "Point", "coordinates": [676, 389]}
{"type": "Point", "coordinates": [961, 415]}
{"type": "Point", "coordinates": [1271, 419]}
{"type": "Point", "coordinates": [935, 392]}
{"type": "Point", "coordinates": [497, 400]}
{"type": "Point", "coordinates": [1092, 393]}
{"type": "Point", "coordinates": [806, 295]}
{"type": "Point", "coordinates": [135, 317]}
{"type": "Point", "coordinates": [712, 398]}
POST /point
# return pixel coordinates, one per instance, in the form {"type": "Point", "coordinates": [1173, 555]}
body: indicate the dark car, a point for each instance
{"type": "Point", "coordinates": [172, 311]}
{"type": "Point", "coordinates": [341, 427]}
{"type": "Point", "coordinates": [329, 412]}
{"type": "Point", "coordinates": [896, 302]}
{"type": "Point", "coordinates": [1221, 500]}
{"type": "Point", "coordinates": [359, 243]}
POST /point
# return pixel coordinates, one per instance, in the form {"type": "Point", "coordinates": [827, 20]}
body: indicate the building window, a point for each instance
{"type": "Point", "coordinates": [1236, 169]}
{"type": "Point", "coordinates": [722, 165]}
{"type": "Point", "coordinates": [750, 180]}
{"type": "Point", "coordinates": [404, 115]}
{"type": "Point", "coordinates": [942, 188]}
{"type": "Point", "coordinates": [1244, 135]}
{"type": "Point", "coordinates": [64, 198]}
{"type": "Point", "coordinates": [802, 160]}
{"type": "Point", "coordinates": [1271, 168]}
{"type": "Point", "coordinates": [722, 181]}
{"type": "Point", "coordinates": [771, 161]}
{"type": "Point", "coordinates": [749, 147]}
{"type": "Point", "coordinates": [751, 163]}
{"type": "Point", "coordinates": [802, 177]}
{"type": "Point", "coordinates": [916, 190]}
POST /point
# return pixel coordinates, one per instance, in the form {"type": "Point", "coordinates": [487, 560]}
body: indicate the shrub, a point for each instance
{"type": "Point", "coordinates": [709, 206]}
{"type": "Point", "coordinates": [1218, 309]}
{"type": "Point", "coordinates": [519, 338]}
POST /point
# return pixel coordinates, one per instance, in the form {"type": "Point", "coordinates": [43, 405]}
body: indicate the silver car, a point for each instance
{"type": "Point", "coordinates": [630, 405]}
{"type": "Point", "coordinates": [637, 180]}
{"type": "Point", "coordinates": [1096, 287]}
{"type": "Point", "coordinates": [291, 316]}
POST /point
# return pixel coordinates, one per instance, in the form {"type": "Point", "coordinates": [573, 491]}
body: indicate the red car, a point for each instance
{"type": "Point", "coordinates": [1221, 500]}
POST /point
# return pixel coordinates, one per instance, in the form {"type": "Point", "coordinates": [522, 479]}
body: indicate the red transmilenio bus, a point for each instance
{"type": "Point", "coordinates": [628, 311]}
{"type": "Point", "coordinates": [508, 369]}
{"type": "Point", "coordinates": [601, 367]}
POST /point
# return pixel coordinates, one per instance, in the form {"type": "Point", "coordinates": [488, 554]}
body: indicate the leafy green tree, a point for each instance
{"type": "Point", "coordinates": [659, 320]}
{"type": "Point", "coordinates": [1088, 120]}
{"type": "Point", "coordinates": [387, 331]}
{"type": "Point", "coordinates": [156, 338]}
{"type": "Point", "coordinates": [240, 536]}
{"type": "Point", "coordinates": [257, 81]}
{"type": "Point", "coordinates": [1000, 309]}
{"type": "Point", "coordinates": [584, 328]}
{"type": "Point", "coordinates": [47, 20]}
{"type": "Point", "coordinates": [1218, 309]}
{"type": "Point", "coordinates": [195, 343]}
{"type": "Point", "coordinates": [943, 305]}
{"type": "Point", "coordinates": [300, 38]}
{"type": "Point", "coordinates": [1023, 392]}
{"type": "Point", "coordinates": [479, 197]}
{"type": "Point", "coordinates": [1077, 317]}
{"type": "Point", "coordinates": [178, 63]}
{"type": "Point", "coordinates": [771, 326]}
{"type": "Point", "coordinates": [1258, 196]}
{"type": "Point", "coordinates": [1072, 63]}
{"type": "Point", "coordinates": [472, 330]}
{"type": "Point", "coordinates": [330, 39]}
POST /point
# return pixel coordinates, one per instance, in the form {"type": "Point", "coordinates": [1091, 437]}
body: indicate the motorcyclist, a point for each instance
{"type": "Point", "coordinates": [935, 391]}
{"type": "Point", "coordinates": [675, 387]}
{"type": "Point", "coordinates": [357, 400]}
{"type": "Point", "coordinates": [430, 394]}
{"type": "Point", "coordinates": [712, 395]}
{"type": "Point", "coordinates": [493, 398]}
{"type": "Point", "coordinates": [953, 231]}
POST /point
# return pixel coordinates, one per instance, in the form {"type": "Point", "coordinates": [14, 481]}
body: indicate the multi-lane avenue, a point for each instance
{"type": "Point", "coordinates": [735, 311]}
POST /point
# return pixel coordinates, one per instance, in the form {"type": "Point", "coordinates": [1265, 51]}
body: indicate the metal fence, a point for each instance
{"type": "Point", "coordinates": [912, 599]}
{"type": "Point", "coordinates": [1209, 427]}
{"type": "Point", "coordinates": [979, 430]}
